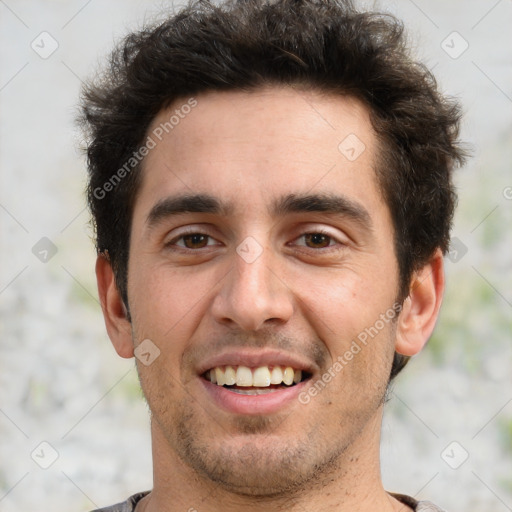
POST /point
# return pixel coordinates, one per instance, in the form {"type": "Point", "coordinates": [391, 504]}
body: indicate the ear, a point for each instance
{"type": "Point", "coordinates": [421, 308]}
{"type": "Point", "coordinates": [114, 311]}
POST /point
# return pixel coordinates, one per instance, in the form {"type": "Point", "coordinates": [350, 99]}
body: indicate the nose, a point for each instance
{"type": "Point", "coordinates": [253, 294]}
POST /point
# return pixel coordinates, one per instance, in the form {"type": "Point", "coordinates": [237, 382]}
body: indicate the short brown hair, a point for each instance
{"type": "Point", "coordinates": [326, 45]}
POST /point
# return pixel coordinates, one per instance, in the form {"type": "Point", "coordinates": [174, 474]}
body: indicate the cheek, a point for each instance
{"type": "Point", "coordinates": [163, 299]}
{"type": "Point", "coordinates": [161, 386]}
{"type": "Point", "coordinates": [347, 312]}
{"type": "Point", "coordinates": [341, 302]}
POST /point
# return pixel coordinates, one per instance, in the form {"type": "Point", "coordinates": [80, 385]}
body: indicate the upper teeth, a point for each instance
{"type": "Point", "coordinates": [258, 377]}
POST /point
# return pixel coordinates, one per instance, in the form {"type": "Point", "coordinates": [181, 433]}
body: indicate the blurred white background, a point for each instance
{"type": "Point", "coordinates": [61, 382]}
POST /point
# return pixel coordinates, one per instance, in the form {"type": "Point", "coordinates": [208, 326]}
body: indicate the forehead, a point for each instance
{"type": "Point", "coordinates": [251, 147]}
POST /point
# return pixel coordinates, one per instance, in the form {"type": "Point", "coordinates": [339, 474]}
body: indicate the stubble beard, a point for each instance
{"type": "Point", "coordinates": [262, 465]}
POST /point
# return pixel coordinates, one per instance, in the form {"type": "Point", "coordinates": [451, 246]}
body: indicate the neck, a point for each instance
{"type": "Point", "coordinates": [353, 483]}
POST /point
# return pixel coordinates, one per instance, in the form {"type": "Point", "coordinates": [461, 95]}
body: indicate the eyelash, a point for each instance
{"type": "Point", "coordinates": [329, 248]}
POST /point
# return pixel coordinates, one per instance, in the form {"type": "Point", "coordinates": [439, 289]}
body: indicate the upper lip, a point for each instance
{"type": "Point", "coordinates": [255, 359]}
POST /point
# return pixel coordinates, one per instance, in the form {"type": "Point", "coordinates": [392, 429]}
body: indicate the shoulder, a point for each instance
{"type": "Point", "coordinates": [428, 506]}
{"type": "Point", "coordinates": [417, 506]}
{"type": "Point", "coordinates": [126, 506]}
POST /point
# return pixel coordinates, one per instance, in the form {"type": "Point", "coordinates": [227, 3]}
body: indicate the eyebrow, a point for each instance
{"type": "Point", "coordinates": [331, 204]}
{"type": "Point", "coordinates": [189, 203]}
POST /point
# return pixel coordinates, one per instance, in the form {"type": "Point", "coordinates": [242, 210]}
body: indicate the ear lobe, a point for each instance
{"type": "Point", "coordinates": [421, 308]}
{"type": "Point", "coordinates": [114, 310]}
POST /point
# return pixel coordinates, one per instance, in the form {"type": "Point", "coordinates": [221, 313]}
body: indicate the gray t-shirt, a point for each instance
{"type": "Point", "coordinates": [130, 504]}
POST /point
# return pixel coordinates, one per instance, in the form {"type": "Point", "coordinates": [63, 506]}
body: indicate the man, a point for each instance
{"type": "Point", "coordinates": [271, 188]}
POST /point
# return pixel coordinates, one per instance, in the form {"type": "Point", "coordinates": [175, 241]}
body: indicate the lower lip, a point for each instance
{"type": "Point", "coordinates": [268, 403]}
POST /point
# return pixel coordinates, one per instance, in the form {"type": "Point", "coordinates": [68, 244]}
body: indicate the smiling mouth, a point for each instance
{"type": "Point", "coordinates": [255, 381]}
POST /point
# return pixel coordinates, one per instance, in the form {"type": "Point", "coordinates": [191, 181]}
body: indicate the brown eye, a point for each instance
{"type": "Point", "coordinates": [195, 240]}
{"type": "Point", "coordinates": [192, 242]}
{"type": "Point", "coordinates": [317, 240]}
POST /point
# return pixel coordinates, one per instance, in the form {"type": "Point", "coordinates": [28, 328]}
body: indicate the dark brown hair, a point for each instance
{"type": "Point", "coordinates": [325, 45]}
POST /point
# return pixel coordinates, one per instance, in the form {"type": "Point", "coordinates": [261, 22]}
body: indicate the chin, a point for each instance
{"type": "Point", "coordinates": [255, 462]}
{"type": "Point", "coordinates": [255, 470]}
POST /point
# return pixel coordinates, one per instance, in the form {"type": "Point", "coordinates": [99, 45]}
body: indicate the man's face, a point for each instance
{"type": "Point", "coordinates": [267, 281]}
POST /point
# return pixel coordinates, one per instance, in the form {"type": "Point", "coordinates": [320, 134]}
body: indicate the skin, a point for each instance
{"type": "Point", "coordinates": [304, 297]}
